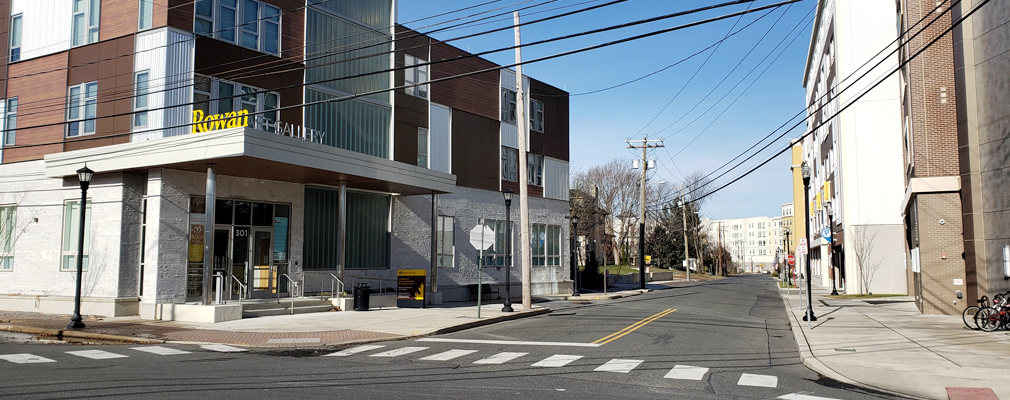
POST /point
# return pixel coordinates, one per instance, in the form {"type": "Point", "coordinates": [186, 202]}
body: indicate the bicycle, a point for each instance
{"type": "Point", "coordinates": [992, 318]}
{"type": "Point", "coordinates": [968, 315]}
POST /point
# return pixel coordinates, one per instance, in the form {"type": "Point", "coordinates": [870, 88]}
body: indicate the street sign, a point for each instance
{"type": "Point", "coordinates": [481, 237]}
{"type": "Point", "coordinates": [826, 234]}
{"type": "Point", "coordinates": [791, 259]}
{"type": "Point", "coordinates": [801, 249]}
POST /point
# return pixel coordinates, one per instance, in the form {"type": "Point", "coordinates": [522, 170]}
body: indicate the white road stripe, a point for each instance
{"type": "Point", "coordinates": [686, 372]}
{"type": "Point", "coordinates": [159, 350]}
{"type": "Point", "coordinates": [448, 355]}
{"type": "Point", "coordinates": [25, 358]}
{"type": "Point", "coordinates": [356, 350]}
{"type": "Point", "coordinates": [223, 348]}
{"type": "Point", "coordinates": [509, 342]}
{"type": "Point", "coordinates": [557, 360]}
{"type": "Point", "coordinates": [96, 354]}
{"type": "Point", "coordinates": [618, 365]}
{"type": "Point", "coordinates": [797, 396]}
{"type": "Point", "coordinates": [758, 380]}
{"type": "Point", "coordinates": [500, 358]}
{"type": "Point", "coordinates": [399, 352]}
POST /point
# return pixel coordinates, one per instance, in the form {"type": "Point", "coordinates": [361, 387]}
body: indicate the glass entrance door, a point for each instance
{"type": "Point", "coordinates": [263, 282]}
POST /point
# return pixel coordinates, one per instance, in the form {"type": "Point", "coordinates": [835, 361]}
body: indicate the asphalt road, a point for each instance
{"type": "Point", "coordinates": [715, 340]}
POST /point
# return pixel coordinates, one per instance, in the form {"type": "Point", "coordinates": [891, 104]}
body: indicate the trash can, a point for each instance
{"type": "Point", "coordinates": [361, 297]}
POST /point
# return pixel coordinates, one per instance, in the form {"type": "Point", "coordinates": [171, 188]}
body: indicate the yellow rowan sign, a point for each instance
{"type": "Point", "coordinates": [219, 121]}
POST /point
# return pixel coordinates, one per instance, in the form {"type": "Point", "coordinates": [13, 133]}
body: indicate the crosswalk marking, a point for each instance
{"type": "Point", "coordinates": [223, 348]}
{"type": "Point", "coordinates": [618, 365]}
{"type": "Point", "coordinates": [399, 352]}
{"type": "Point", "coordinates": [355, 350]}
{"type": "Point", "coordinates": [448, 355]}
{"type": "Point", "coordinates": [500, 358]}
{"type": "Point", "coordinates": [159, 350]}
{"type": "Point", "coordinates": [686, 372]}
{"type": "Point", "coordinates": [758, 380]}
{"type": "Point", "coordinates": [557, 360]}
{"type": "Point", "coordinates": [96, 354]}
{"type": "Point", "coordinates": [798, 396]}
{"type": "Point", "coordinates": [25, 358]}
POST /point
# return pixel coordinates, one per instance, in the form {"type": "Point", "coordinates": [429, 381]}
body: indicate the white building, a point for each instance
{"type": "Point", "coordinates": [752, 242]}
{"type": "Point", "coordinates": [855, 158]}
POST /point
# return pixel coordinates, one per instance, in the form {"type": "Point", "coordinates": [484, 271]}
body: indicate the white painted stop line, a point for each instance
{"type": "Point", "coordinates": [686, 372]}
{"type": "Point", "coordinates": [618, 365]}
{"type": "Point", "coordinates": [797, 396]}
{"type": "Point", "coordinates": [448, 355]}
{"type": "Point", "coordinates": [355, 350]}
{"type": "Point", "coordinates": [500, 358]}
{"type": "Point", "coordinates": [399, 352]}
{"type": "Point", "coordinates": [223, 348]}
{"type": "Point", "coordinates": [161, 351]}
{"type": "Point", "coordinates": [25, 358]}
{"type": "Point", "coordinates": [758, 380]}
{"type": "Point", "coordinates": [96, 354]}
{"type": "Point", "coordinates": [557, 360]}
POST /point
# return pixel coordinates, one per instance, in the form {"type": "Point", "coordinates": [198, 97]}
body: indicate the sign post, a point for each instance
{"type": "Point", "coordinates": [481, 237]}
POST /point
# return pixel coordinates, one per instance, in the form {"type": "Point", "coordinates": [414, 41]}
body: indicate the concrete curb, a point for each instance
{"type": "Point", "coordinates": [61, 334]}
{"type": "Point", "coordinates": [812, 362]}
{"type": "Point", "coordinates": [489, 321]}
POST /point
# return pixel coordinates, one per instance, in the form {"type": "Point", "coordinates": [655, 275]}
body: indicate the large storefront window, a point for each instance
{"type": "Point", "coordinates": [367, 230]}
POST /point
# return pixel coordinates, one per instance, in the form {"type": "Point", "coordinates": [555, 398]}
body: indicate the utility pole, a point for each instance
{"type": "Point", "coordinates": [645, 145]}
{"type": "Point", "coordinates": [524, 203]}
{"type": "Point", "coordinates": [687, 251]}
{"type": "Point", "coordinates": [719, 256]}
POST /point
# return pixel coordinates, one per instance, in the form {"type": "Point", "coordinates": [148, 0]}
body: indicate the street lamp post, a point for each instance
{"type": "Point", "coordinates": [575, 255]}
{"type": "Point", "coordinates": [831, 250]}
{"type": "Point", "coordinates": [508, 250]}
{"type": "Point", "coordinates": [84, 175]}
{"type": "Point", "coordinates": [805, 171]}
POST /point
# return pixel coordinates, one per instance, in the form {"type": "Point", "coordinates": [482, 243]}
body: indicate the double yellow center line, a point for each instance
{"type": "Point", "coordinates": [633, 327]}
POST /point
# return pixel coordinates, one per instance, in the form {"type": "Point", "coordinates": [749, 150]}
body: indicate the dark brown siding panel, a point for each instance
{"type": "Point", "coordinates": [475, 152]}
{"type": "Point", "coordinates": [119, 18]}
{"type": "Point", "coordinates": [110, 63]}
{"type": "Point", "coordinates": [47, 91]}
{"type": "Point", "coordinates": [410, 42]}
{"type": "Point", "coordinates": [180, 14]}
{"type": "Point", "coordinates": [5, 21]}
{"type": "Point", "coordinates": [555, 136]}
{"type": "Point", "coordinates": [411, 113]}
{"type": "Point", "coordinates": [477, 94]}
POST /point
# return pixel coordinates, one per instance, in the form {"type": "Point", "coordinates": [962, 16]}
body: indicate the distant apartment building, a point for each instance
{"type": "Point", "coordinates": [981, 65]}
{"type": "Point", "coordinates": [280, 145]}
{"type": "Point", "coordinates": [752, 242]}
{"type": "Point", "coordinates": [854, 158]}
{"type": "Point", "coordinates": [932, 201]}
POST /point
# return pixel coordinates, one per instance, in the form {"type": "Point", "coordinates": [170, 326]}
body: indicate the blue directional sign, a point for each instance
{"type": "Point", "coordinates": [826, 234]}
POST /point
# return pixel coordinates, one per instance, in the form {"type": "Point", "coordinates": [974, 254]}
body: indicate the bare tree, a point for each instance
{"type": "Point", "coordinates": [615, 185]}
{"type": "Point", "coordinates": [862, 247]}
{"type": "Point", "coordinates": [11, 227]}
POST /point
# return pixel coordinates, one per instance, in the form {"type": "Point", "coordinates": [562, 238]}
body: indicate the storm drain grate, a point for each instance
{"type": "Point", "coordinates": [846, 350]}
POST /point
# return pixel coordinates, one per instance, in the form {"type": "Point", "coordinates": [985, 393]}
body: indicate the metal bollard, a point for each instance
{"type": "Point", "coordinates": [219, 287]}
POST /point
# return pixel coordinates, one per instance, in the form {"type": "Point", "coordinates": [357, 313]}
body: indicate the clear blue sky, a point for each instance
{"type": "Point", "coordinates": [602, 122]}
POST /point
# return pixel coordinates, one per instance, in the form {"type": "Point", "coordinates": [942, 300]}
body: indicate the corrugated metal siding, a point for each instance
{"type": "Point", "coordinates": [440, 149]}
{"type": "Point", "coordinates": [367, 230]}
{"type": "Point", "coordinates": [46, 26]}
{"type": "Point", "coordinates": [319, 250]}
{"type": "Point", "coordinates": [334, 49]}
{"type": "Point", "coordinates": [168, 57]}
{"type": "Point", "coordinates": [350, 124]}
{"type": "Point", "coordinates": [555, 179]}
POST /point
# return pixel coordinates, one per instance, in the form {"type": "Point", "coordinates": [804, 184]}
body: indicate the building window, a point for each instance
{"type": "Point", "coordinates": [415, 76]}
{"type": "Point", "coordinates": [71, 226]}
{"type": "Point", "coordinates": [422, 147]}
{"type": "Point", "coordinates": [509, 164]}
{"type": "Point", "coordinates": [7, 222]}
{"type": "Point", "coordinates": [10, 121]}
{"type": "Point", "coordinates": [81, 109]}
{"type": "Point", "coordinates": [495, 256]}
{"type": "Point", "coordinates": [545, 246]}
{"type": "Point", "coordinates": [140, 84]}
{"type": "Point", "coordinates": [535, 169]}
{"type": "Point", "coordinates": [86, 17]}
{"type": "Point", "coordinates": [248, 23]}
{"type": "Point", "coordinates": [146, 14]}
{"type": "Point", "coordinates": [537, 115]}
{"type": "Point", "coordinates": [252, 99]}
{"type": "Point", "coordinates": [16, 30]}
{"type": "Point", "coordinates": [445, 243]}
{"type": "Point", "coordinates": [508, 106]}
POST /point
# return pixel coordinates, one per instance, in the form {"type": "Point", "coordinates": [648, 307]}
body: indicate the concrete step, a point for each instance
{"type": "Point", "coordinates": [260, 308]}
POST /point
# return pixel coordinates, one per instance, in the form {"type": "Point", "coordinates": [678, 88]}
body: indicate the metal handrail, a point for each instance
{"type": "Point", "coordinates": [292, 290]}
{"type": "Point", "coordinates": [242, 289]}
{"type": "Point", "coordinates": [333, 282]}
{"type": "Point", "coordinates": [381, 281]}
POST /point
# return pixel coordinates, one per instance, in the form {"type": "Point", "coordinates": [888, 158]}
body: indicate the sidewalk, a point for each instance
{"type": "Point", "coordinates": [299, 330]}
{"type": "Point", "coordinates": [885, 343]}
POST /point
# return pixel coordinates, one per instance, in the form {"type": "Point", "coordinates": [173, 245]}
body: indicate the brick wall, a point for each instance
{"type": "Point", "coordinates": [940, 249]}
